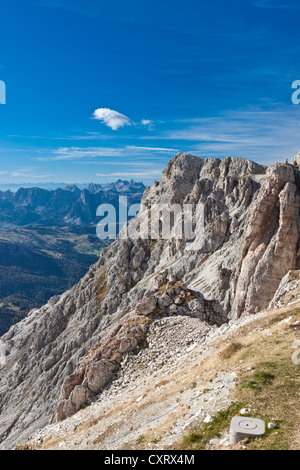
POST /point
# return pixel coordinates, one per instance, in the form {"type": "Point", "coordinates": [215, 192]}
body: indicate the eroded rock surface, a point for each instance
{"type": "Point", "coordinates": [271, 239]}
{"type": "Point", "coordinates": [250, 242]}
{"type": "Point", "coordinates": [288, 291]}
{"type": "Point", "coordinates": [170, 296]}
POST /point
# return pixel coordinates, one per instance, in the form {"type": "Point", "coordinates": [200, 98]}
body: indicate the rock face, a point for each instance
{"type": "Point", "coordinates": [271, 237]}
{"type": "Point", "coordinates": [67, 351]}
{"type": "Point", "coordinates": [97, 368]}
{"type": "Point", "coordinates": [288, 291]}
{"type": "Point", "coordinates": [170, 296]}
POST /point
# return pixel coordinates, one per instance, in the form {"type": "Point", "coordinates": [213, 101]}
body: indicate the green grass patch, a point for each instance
{"type": "Point", "coordinates": [270, 365]}
{"type": "Point", "coordinates": [198, 439]}
{"type": "Point", "coordinates": [141, 439]}
{"type": "Point", "coordinates": [260, 379]}
{"type": "Point", "coordinates": [272, 393]}
{"type": "Point", "coordinates": [232, 349]}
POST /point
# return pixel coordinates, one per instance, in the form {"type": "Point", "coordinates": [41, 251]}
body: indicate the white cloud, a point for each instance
{"type": "Point", "coordinates": [111, 118]}
{"type": "Point", "coordinates": [144, 174]}
{"type": "Point", "coordinates": [152, 149]}
{"type": "Point", "coordinates": [116, 120]}
{"type": "Point", "coordinates": [78, 153]}
{"type": "Point", "coordinates": [27, 173]}
{"type": "Point", "coordinates": [21, 172]}
{"type": "Point", "coordinates": [148, 123]}
{"type": "Point", "coordinates": [263, 135]}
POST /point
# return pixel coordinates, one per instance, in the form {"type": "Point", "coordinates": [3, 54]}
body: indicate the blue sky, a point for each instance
{"type": "Point", "coordinates": [100, 90]}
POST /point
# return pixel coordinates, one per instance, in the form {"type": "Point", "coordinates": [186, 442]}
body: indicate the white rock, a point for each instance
{"type": "Point", "coordinates": [245, 411]}
{"type": "Point", "coordinates": [208, 419]}
{"type": "Point", "coordinates": [140, 398]}
{"type": "Point", "coordinates": [191, 348]}
{"type": "Point", "coordinates": [224, 442]}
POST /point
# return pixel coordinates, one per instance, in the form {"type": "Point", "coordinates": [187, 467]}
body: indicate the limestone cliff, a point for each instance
{"type": "Point", "coordinates": [250, 242]}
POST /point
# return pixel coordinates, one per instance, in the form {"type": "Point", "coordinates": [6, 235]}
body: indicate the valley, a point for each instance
{"type": "Point", "coordinates": [48, 241]}
{"type": "Point", "coordinates": [37, 263]}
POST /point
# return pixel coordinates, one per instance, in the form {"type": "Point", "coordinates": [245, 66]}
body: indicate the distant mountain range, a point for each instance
{"type": "Point", "coordinates": [48, 241]}
{"type": "Point", "coordinates": [51, 186]}
{"type": "Point", "coordinates": [67, 206]}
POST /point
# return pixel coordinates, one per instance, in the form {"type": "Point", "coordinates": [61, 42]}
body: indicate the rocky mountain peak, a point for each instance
{"type": "Point", "coordinates": [296, 160]}
{"type": "Point", "coordinates": [250, 242]}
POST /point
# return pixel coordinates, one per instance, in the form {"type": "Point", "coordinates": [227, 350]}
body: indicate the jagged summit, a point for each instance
{"type": "Point", "coordinates": [237, 162]}
{"type": "Point", "coordinates": [250, 242]}
{"type": "Point", "coordinates": [296, 160]}
{"type": "Point", "coordinates": [72, 188]}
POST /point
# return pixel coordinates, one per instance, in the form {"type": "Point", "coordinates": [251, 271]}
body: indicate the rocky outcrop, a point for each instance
{"type": "Point", "coordinates": [288, 291]}
{"type": "Point", "coordinates": [169, 297]}
{"type": "Point", "coordinates": [97, 368]}
{"type": "Point", "coordinates": [296, 160]}
{"type": "Point", "coordinates": [250, 242]}
{"type": "Point", "coordinates": [270, 243]}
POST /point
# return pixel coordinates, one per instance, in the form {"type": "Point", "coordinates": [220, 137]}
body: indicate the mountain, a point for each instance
{"type": "Point", "coordinates": [67, 354]}
{"type": "Point", "coordinates": [182, 391]}
{"type": "Point", "coordinates": [13, 187]}
{"type": "Point", "coordinates": [48, 241]}
{"type": "Point", "coordinates": [118, 186]}
{"type": "Point", "coordinates": [39, 262]}
{"type": "Point", "coordinates": [66, 206]}
{"type": "Point", "coordinates": [121, 186]}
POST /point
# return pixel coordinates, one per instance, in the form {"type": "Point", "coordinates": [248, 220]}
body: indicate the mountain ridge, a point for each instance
{"type": "Point", "coordinates": [63, 206]}
{"type": "Point", "coordinates": [249, 211]}
{"type": "Point", "coordinates": [13, 187]}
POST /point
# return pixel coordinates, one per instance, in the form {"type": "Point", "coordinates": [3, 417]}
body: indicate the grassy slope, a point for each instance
{"type": "Point", "coordinates": [269, 384]}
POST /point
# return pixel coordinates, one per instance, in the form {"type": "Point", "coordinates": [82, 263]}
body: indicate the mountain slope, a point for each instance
{"type": "Point", "coordinates": [182, 392]}
{"type": "Point", "coordinates": [39, 262]}
{"type": "Point", "coordinates": [249, 211]}
{"type": "Point", "coordinates": [48, 241]}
